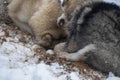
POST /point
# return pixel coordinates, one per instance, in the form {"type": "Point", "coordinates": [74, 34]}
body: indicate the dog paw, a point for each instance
{"type": "Point", "coordinates": [62, 55]}
{"type": "Point", "coordinates": [45, 40]}
{"type": "Point", "coordinates": [59, 47]}
{"type": "Point", "coordinates": [47, 37]}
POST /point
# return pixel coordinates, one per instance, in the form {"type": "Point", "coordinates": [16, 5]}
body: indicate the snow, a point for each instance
{"type": "Point", "coordinates": [19, 61]}
{"type": "Point", "coordinates": [112, 77]}
{"type": "Point", "coordinates": [14, 67]}
{"type": "Point", "coordinates": [50, 51]}
{"type": "Point", "coordinates": [113, 1]}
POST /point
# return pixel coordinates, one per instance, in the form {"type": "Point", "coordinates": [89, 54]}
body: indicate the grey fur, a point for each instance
{"type": "Point", "coordinates": [100, 26]}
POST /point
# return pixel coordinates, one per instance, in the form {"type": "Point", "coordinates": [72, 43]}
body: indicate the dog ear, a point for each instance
{"type": "Point", "coordinates": [81, 19]}
{"type": "Point", "coordinates": [83, 14]}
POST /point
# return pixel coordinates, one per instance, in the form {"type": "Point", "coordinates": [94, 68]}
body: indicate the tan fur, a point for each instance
{"type": "Point", "coordinates": [38, 17]}
{"type": "Point", "coordinates": [21, 11]}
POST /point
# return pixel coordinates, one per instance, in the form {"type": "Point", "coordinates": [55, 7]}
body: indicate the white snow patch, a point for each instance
{"type": "Point", "coordinates": [74, 76]}
{"type": "Point", "coordinates": [112, 77]}
{"type": "Point", "coordinates": [113, 1]}
{"type": "Point", "coordinates": [50, 51]}
{"type": "Point", "coordinates": [13, 65]}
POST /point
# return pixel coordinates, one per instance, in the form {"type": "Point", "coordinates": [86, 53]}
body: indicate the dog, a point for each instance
{"type": "Point", "coordinates": [68, 8]}
{"type": "Point", "coordinates": [39, 18]}
{"type": "Point", "coordinates": [94, 37]}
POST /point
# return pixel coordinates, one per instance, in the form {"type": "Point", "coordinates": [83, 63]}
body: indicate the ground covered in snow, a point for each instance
{"type": "Point", "coordinates": [22, 59]}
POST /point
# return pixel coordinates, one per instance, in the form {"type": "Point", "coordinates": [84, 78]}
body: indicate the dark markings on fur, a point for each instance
{"type": "Point", "coordinates": [100, 26]}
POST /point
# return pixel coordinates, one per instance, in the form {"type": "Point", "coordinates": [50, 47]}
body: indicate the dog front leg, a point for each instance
{"type": "Point", "coordinates": [80, 55]}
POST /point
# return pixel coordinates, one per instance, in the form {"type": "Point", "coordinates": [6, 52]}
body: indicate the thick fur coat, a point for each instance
{"type": "Point", "coordinates": [38, 17]}
{"type": "Point", "coordinates": [94, 37]}
{"type": "Point", "coordinates": [68, 7]}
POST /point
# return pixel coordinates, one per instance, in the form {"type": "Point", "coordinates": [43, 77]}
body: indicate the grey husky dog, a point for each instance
{"type": "Point", "coordinates": [94, 37]}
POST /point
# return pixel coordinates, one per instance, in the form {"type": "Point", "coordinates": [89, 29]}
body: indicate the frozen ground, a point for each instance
{"type": "Point", "coordinates": [21, 59]}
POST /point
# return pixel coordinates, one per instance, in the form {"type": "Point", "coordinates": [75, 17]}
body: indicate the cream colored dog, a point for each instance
{"type": "Point", "coordinates": [38, 17]}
